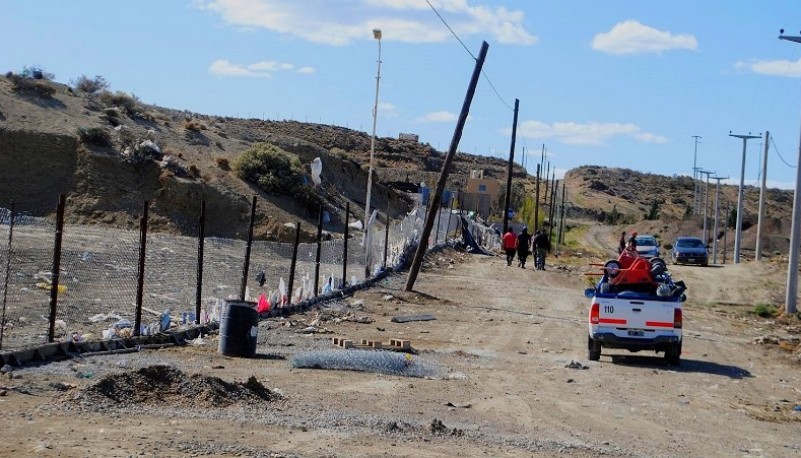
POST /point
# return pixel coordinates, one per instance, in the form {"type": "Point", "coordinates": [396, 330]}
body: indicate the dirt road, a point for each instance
{"type": "Point", "coordinates": [513, 379]}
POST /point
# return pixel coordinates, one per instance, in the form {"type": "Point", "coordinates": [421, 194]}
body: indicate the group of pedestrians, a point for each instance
{"type": "Point", "coordinates": [523, 244]}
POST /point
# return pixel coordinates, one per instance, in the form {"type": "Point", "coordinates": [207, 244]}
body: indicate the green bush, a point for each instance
{"type": "Point", "coordinates": [765, 310]}
{"type": "Point", "coordinates": [98, 136]}
{"type": "Point", "coordinates": [276, 172]}
{"type": "Point", "coordinates": [269, 167]}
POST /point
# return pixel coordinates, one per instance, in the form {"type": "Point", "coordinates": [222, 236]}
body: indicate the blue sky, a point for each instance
{"type": "Point", "coordinates": [616, 83]}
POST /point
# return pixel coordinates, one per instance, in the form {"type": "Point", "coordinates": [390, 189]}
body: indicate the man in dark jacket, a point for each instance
{"type": "Point", "coordinates": [523, 243]}
{"type": "Point", "coordinates": [541, 246]}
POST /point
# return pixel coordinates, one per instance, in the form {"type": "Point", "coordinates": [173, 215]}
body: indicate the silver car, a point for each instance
{"type": "Point", "coordinates": [647, 246]}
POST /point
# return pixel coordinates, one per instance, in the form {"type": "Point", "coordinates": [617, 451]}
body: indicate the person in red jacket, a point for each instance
{"type": "Point", "coordinates": [509, 245]}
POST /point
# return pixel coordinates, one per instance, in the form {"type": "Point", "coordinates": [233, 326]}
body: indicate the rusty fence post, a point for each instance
{"type": "Point", "coordinates": [140, 282]}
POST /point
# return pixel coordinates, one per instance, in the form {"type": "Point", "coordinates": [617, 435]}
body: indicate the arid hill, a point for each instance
{"type": "Point", "coordinates": [58, 139]}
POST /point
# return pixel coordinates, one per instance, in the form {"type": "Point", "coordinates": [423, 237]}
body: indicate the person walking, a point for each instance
{"type": "Point", "coordinates": [509, 245]}
{"type": "Point", "coordinates": [540, 244]}
{"type": "Point", "coordinates": [622, 243]}
{"type": "Point", "coordinates": [523, 244]}
{"type": "Point", "coordinates": [632, 240]}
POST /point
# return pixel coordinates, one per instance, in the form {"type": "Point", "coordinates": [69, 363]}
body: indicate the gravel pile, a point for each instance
{"type": "Point", "coordinates": [161, 385]}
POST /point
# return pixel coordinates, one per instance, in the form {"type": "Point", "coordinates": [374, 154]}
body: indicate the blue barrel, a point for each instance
{"type": "Point", "coordinates": [424, 195]}
{"type": "Point", "coordinates": [239, 327]}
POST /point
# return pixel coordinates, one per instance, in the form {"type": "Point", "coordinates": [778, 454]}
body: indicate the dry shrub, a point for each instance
{"type": "Point", "coordinates": [194, 171]}
{"type": "Point", "coordinates": [128, 102]}
{"type": "Point", "coordinates": [90, 85]}
{"type": "Point", "coordinates": [97, 136]}
{"type": "Point", "coordinates": [194, 126]}
{"type": "Point", "coordinates": [38, 87]}
{"type": "Point", "coordinates": [223, 163]}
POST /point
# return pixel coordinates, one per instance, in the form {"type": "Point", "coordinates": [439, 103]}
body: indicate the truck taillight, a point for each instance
{"type": "Point", "coordinates": [677, 318]}
{"type": "Point", "coordinates": [595, 313]}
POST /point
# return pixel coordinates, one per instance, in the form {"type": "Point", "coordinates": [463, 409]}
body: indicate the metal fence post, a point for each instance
{"type": "Point", "coordinates": [386, 239]}
{"type": "Point", "coordinates": [246, 266]}
{"type": "Point", "coordinates": [319, 247]}
{"type": "Point", "coordinates": [294, 262]}
{"type": "Point", "coordinates": [200, 247]}
{"type": "Point", "coordinates": [345, 248]}
{"type": "Point", "coordinates": [140, 283]}
{"type": "Point", "coordinates": [62, 200]}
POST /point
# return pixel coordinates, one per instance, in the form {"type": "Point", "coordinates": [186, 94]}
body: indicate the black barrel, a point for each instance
{"type": "Point", "coordinates": [239, 327]}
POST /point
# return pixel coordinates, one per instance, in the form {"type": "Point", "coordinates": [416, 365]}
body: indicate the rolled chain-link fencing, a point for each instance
{"type": "Point", "coordinates": [99, 274]}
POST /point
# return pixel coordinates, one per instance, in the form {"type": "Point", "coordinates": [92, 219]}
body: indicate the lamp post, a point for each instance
{"type": "Point", "coordinates": [739, 228]}
{"type": "Point", "coordinates": [795, 236]}
{"type": "Point", "coordinates": [377, 36]}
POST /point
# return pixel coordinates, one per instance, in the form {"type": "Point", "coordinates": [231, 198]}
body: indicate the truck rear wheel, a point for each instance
{"type": "Point", "coordinates": [593, 349]}
{"type": "Point", "coordinates": [673, 354]}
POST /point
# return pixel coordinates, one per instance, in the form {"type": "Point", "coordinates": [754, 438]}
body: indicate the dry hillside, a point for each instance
{"type": "Point", "coordinates": [43, 153]}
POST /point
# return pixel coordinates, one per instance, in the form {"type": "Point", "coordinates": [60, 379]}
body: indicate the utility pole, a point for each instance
{"type": "Point", "coordinates": [509, 171]}
{"type": "Point", "coordinates": [537, 202]}
{"type": "Point", "coordinates": [738, 231]}
{"type": "Point", "coordinates": [696, 201]}
{"type": "Point", "coordinates": [717, 213]}
{"type": "Point", "coordinates": [562, 219]}
{"type": "Point", "coordinates": [762, 190]}
{"type": "Point", "coordinates": [422, 246]}
{"type": "Point", "coordinates": [706, 202]}
{"type": "Point", "coordinates": [726, 231]}
{"type": "Point", "coordinates": [795, 232]}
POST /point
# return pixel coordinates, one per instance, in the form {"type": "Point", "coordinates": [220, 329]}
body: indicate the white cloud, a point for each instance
{"type": "Point", "coordinates": [263, 69]}
{"type": "Point", "coordinates": [339, 23]}
{"type": "Point", "coordinates": [631, 37]}
{"type": "Point", "coordinates": [772, 67]}
{"type": "Point", "coordinates": [387, 109]}
{"type": "Point", "coordinates": [591, 133]}
{"type": "Point", "coordinates": [437, 116]}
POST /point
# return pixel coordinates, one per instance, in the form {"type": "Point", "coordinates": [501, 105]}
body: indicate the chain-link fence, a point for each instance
{"type": "Point", "coordinates": [181, 279]}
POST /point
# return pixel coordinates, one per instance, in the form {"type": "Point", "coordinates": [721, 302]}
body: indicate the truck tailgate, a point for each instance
{"type": "Point", "coordinates": [636, 313]}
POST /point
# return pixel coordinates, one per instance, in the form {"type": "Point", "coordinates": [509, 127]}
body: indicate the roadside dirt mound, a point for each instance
{"type": "Point", "coordinates": [165, 385]}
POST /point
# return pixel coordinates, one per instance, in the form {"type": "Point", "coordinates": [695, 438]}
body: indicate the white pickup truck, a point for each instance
{"type": "Point", "coordinates": [636, 310]}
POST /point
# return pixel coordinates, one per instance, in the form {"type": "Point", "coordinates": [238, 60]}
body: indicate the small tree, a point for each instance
{"type": "Point", "coordinates": [653, 213]}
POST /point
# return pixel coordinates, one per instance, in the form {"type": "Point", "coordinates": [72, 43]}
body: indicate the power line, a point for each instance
{"type": "Point", "coordinates": [779, 154]}
{"type": "Point", "coordinates": [449, 28]}
{"type": "Point", "coordinates": [497, 94]}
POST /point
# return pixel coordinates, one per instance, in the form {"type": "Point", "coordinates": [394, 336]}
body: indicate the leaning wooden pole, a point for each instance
{"type": "Point", "coordinates": [443, 177]}
{"type": "Point", "coordinates": [537, 202]}
{"type": "Point", "coordinates": [509, 167]}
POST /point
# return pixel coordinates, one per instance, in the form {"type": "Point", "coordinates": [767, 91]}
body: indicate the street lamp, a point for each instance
{"type": "Point", "coordinates": [377, 36]}
{"type": "Point", "coordinates": [795, 236]}
{"type": "Point", "coordinates": [738, 231]}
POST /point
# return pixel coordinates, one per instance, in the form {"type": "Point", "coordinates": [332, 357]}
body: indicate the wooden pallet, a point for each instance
{"type": "Point", "coordinates": [394, 344]}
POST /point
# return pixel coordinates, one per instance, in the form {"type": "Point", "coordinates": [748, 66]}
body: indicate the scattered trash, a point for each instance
{"type": "Point", "coordinates": [576, 365]}
{"type": "Point", "coordinates": [389, 297]}
{"type": "Point", "coordinates": [460, 406]}
{"type": "Point", "coordinates": [6, 369]}
{"type": "Point", "coordinates": [406, 319]}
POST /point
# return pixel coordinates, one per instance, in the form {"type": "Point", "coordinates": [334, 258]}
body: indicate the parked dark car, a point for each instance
{"type": "Point", "coordinates": [689, 250]}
